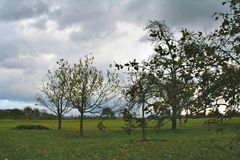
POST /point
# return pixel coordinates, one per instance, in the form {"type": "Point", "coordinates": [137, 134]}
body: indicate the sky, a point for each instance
{"type": "Point", "coordinates": [34, 34]}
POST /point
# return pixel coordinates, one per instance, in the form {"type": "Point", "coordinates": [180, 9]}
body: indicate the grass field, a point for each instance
{"type": "Point", "coordinates": [192, 141]}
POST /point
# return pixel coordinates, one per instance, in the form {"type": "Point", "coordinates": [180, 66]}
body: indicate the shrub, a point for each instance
{"type": "Point", "coordinates": [31, 127]}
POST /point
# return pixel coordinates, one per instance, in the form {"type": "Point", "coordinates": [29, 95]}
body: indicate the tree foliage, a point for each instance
{"type": "Point", "coordinates": [226, 40]}
{"type": "Point", "coordinates": [88, 90]}
{"type": "Point", "coordinates": [108, 113]}
{"type": "Point", "coordinates": [136, 93]}
{"type": "Point", "coordinates": [55, 90]}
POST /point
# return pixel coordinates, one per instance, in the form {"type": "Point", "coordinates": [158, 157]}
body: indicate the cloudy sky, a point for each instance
{"type": "Point", "coordinates": [36, 33]}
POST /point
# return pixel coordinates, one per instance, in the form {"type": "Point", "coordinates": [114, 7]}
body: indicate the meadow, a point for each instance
{"type": "Point", "coordinates": [191, 141]}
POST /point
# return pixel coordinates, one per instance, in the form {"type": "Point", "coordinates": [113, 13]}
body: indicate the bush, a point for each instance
{"type": "Point", "coordinates": [31, 127]}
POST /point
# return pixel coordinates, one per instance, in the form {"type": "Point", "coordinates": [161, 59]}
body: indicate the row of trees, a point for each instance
{"type": "Point", "coordinates": [79, 86]}
{"type": "Point", "coordinates": [188, 75]}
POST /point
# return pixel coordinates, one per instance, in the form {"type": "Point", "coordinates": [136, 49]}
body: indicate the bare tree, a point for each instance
{"type": "Point", "coordinates": [54, 91]}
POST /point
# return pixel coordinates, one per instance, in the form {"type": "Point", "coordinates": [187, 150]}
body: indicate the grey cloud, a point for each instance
{"type": "Point", "coordinates": [144, 39]}
{"type": "Point", "coordinates": [20, 9]}
{"type": "Point", "coordinates": [91, 31]}
{"type": "Point", "coordinates": [10, 41]}
{"type": "Point", "coordinates": [191, 12]}
{"type": "Point", "coordinates": [17, 62]}
{"type": "Point", "coordinates": [20, 77]}
{"type": "Point", "coordinates": [194, 14]}
{"type": "Point", "coordinates": [15, 85]}
{"type": "Point", "coordinates": [97, 19]}
{"type": "Point", "coordinates": [40, 23]}
{"type": "Point", "coordinates": [21, 69]}
{"type": "Point", "coordinates": [77, 12]}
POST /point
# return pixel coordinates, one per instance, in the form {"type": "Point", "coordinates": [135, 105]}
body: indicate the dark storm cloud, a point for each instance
{"type": "Point", "coordinates": [20, 9]}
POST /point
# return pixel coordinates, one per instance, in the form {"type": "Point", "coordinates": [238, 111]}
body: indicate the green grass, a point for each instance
{"type": "Point", "coordinates": [192, 141]}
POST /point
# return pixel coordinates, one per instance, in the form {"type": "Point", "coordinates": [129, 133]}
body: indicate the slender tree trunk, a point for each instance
{"type": "Point", "coordinates": [143, 123]}
{"type": "Point", "coordinates": [59, 122]}
{"type": "Point", "coordinates": [180, 120]}
{"type": "Point", "coordinates": [174, 118]}
{"type": "Point", "coordinates": [174, 100]}
{"type": "Point", "coordinates": [81, 124]}
{"type": "Point", "coordinates": [205, 112]}
{"type": "Point", "coordinates": [174, 107]}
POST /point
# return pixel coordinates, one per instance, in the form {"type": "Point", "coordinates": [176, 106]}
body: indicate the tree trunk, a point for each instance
{"type": "Point", "coordinates": [59, 122]}
{"type": "Point", "coordinates": [81, 124]}
{"type": "Point", "coordinates": [143, 123]}
{"type": "Point", "coordinates": [180, 120]}
{"type": "Point", "coordinates": [174, 118]}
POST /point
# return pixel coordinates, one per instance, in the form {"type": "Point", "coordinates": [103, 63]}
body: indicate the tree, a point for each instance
{"type": "Point", "coordinates": [54, 91]}
{"type": "Point", "coordinates": [88, 90]}
{"type": "Point", "coordinates": [178, 76]}
{"type": "Point", "coordinates": [219, 80]}
{"type": "Point", "coordinates": [128, 118]}
{"type": "Point", "coordinates": [28, 112]}
{"type": "Point", "coordinates": [139, 95]}
{"type": "Point", "coordinates": [108, 113]}
{"type": "Point", "coordinates": [136, 93]}
{"type": "Point", "coordinates": [173, 69]}
{"type": "Point", "coordinates": [171, 74]}
{"type": "Point", "coordinates": [227, 45]}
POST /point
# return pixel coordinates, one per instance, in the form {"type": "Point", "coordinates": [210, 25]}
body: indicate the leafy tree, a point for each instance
{"type": "Point", "coordinates": [129, 118]}
{"type": "Point", "coordinates": [136, 93]}
{"type": "Point", "coordinates": [46, 115]}
{"type": "Point", "coordinates": [28, 112]}
{"type": "Point", "coordinates": [219, 63]}
{"type": "Point", "coordinates": [139, 95]}
{"type": "Point", "coordinates": [226, 40]}
{"type": "Point", "coordinates": [171, 74]}
{"type": "Point", "coordinates": [54, 91]}
{"type": "Point", "coordinates": [173, 70]}
{"type": "Point", "coordinates": [88, 90]}
{"type": "Point", "coordinates": [159, 114]}
{"type": "Point", "coordinates": [227, 45]}
{"type": "Point", "coordinates": [214, 113]}
{"type": "Point", "coordinates": [180, 74]}
{"type": "Point", "coordinates": [108, 113]}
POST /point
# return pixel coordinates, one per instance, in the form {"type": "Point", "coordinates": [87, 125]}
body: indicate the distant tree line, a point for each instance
{"type": "Point", "coordinates": [28, 113]}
